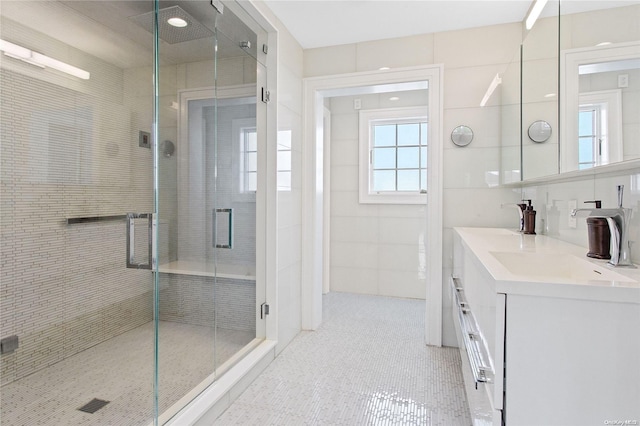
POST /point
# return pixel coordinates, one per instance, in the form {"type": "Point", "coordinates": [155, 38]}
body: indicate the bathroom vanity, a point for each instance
{"type": "Point", "coordinates": [547, 336]}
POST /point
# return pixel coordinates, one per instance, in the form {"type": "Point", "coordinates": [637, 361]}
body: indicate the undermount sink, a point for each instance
{"type": "Point", "coordinates": [555, 266]}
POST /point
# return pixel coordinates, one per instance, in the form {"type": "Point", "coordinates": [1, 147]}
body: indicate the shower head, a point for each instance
{"type": "Point", "coordinates": [194, 30]}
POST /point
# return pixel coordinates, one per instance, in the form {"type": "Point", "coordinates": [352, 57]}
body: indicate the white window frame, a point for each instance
{"type": "Point", "coordinates": [391, 115]}
{"type": "Point", "coordinates": [570, 98]}
{"type": "Point", "coordinates": [596, 141]}
{"type": "Point", "coordinates": [608, 128]}
{"type": "Point", "coordinates": [283, 163]}
{"type": "Point", "coordinates": [238, 127]}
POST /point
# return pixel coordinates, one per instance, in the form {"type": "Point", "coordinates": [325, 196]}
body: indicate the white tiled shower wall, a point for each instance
{"type": "Point", "coordinates": [69, 150]}
{"type": "Point", "coordinates": [64, 287]}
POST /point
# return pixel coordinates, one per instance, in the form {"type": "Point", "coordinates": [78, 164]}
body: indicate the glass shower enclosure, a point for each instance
{"type": "Point", "coordinates": [131, 167]}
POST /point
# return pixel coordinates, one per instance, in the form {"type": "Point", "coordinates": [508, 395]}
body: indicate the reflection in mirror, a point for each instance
{"type": "Point", "coordinates": [540, 93]}
{"type": "Point", "coordinates": [510, 158]}
{"type": "Point", "coordinates": [539, 131]}
{"type": "Point", "coordinates": [167, 148]}
{"type": "Point", "coordinates": [583, 26]}
{"type": "Point", "coordinates": [462, 135]}
{"type": "Point", "coordinates": [600, 105]}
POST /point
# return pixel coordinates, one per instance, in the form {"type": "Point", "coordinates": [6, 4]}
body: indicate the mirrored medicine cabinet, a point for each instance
{"type": "Point", "coordinates": [578, 70]}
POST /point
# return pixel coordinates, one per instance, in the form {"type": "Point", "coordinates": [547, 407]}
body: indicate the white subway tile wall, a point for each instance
{"type": "Point", "coordinates": [69, 150]}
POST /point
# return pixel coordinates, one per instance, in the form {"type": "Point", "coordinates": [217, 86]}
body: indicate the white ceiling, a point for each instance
{"type": "Point", "coordinates": [316, 23]}
{"type": "Point", "coordinates": [320, 23]}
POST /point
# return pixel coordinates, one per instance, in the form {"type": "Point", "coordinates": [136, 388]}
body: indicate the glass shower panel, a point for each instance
{"type": "Point", "coordinates": [75, 109]}
{"type": "Point", "coordinates": [207, 198]}
{"type": "Point", "coordinates": [186, 203]}
{"type": "Point", "coordinates": [83, 147]}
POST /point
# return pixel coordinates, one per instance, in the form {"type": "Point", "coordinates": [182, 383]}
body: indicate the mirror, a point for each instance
{"type": "Point", "coordinates": [510, 163]}
{"type": "Point", "coordinates": [540, 94]}
{"type": "Point", "coordinates": [462, 135]}
{"type": "Point", "coordinates": [578, 31]}
{"type": "Point", "coordinates": [600, 105]}
{"type": "Point", "coordinates": [539, 131]}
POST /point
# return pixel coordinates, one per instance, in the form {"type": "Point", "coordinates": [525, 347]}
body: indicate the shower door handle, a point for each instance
{"type": "Point", "coordinates": [229, 244]}
{"type": "Point", "coordinates": [131, 241]}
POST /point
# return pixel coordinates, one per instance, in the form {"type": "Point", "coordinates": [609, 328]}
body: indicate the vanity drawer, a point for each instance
{"type": "Point", "coordinates": [476, 367]}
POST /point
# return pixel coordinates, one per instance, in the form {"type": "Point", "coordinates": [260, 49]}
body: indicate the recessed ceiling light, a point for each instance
{"type": "Point", "coordinates": [177, 22]}
{"type": "Point", "coordinates": [550, 95]}
{"type": "Point", "coordinates": [384, 68]}
{"type": "Point", "coordinates": [604, 43]}
{"type": "Point", "coordinates": [394, 98]}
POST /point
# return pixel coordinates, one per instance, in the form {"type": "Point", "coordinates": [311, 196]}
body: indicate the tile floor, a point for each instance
{"type": "Point", "coordinates": [366, 365]}
{"type": "Point", "coordinates": [120, 371]}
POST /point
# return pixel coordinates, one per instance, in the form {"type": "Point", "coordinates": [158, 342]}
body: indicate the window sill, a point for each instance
{"type": "Point", "coordinates": [393, 198]}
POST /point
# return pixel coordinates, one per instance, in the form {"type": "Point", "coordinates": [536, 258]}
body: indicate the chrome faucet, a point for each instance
{"type": "Point", "coordinates": [620, 252]}
{"type": "Point", "coordinates": [521, 208]}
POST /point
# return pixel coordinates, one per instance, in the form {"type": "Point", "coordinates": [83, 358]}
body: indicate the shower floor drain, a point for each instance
{"type": "Point", "coordinates": [94, 405]}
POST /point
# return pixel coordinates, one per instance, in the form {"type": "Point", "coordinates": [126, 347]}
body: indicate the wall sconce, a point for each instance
{"type": "Point", "coordinates": [39, 60]}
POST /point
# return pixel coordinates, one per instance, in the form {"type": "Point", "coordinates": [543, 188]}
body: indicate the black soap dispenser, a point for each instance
{"type": "Point", "coordinates": [530, 220]}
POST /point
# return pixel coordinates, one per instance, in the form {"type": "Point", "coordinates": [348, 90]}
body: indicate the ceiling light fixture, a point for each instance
{"type": "Point", "coordinates": [394, 98]}
{"type": "Point", "coordinates": [177, 22]}
{"type": "Point", "coordinates": [550, 95]}
{"type": "Point", "coordinates": [604, 43]}
{"type": "Point", "coordinates": [39, 60]}
{"type": "Point", "coordinates": [492, 87]}
{"type": "Point", "coordinates": [534, 13]}
{"type": "Point", "coordinates": [384, 68]}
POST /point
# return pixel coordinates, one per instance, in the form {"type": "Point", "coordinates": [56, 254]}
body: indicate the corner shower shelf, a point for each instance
{"type": "Point", "coordinates": [205, 269]}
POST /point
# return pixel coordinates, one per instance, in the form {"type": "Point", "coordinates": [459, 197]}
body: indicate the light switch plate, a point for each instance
{"type": "Point", "coordinates": [623, 80]}
{"type": "Point", "coordinates": [573, 221]}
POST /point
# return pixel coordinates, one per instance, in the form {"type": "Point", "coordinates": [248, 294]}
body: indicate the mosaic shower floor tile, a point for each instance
{"type": "Point", "coordinates": [119, 370]}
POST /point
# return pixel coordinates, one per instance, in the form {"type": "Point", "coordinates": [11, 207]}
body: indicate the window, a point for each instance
{"type": "Point", "coordinates": [245, 159]}
{"type": "Point", "coordinates": [249, 159]}
{"type": "Point", "coordinates": [284, 160]}
{"type": "Point", "coordinates": [599, 128]}
{"type": "Point", "coordinates": [393, 156]}
{"type": "Point", "coordinates": [589, 141]}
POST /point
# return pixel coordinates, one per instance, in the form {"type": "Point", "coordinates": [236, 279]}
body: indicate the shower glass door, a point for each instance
{"type": "Point", "coordinates": [128, 207]}
{"type": "Point", "coordinates": [207, 168]}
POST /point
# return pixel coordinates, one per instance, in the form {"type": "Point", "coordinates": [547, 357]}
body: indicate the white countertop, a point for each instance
{"type": "Point", "coordinates": [538, 265]}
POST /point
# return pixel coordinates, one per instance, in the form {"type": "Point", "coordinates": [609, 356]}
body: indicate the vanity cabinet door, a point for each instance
{"type": "Point", "coordinates": [571, 362]}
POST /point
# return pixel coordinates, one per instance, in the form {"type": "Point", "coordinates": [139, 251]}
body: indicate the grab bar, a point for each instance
{"type": "Point", "coordinates": [151, 229]}
{"type": "Point", "coordinates": [229, 244]}
{"type": "Point", "coordinates": [90, 219]}
{"type": "Point", "coordinates": [481, 370]}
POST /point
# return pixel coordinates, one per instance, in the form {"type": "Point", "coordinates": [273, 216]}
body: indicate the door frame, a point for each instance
{"type": "Point", "coordinates": [315, 89]}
